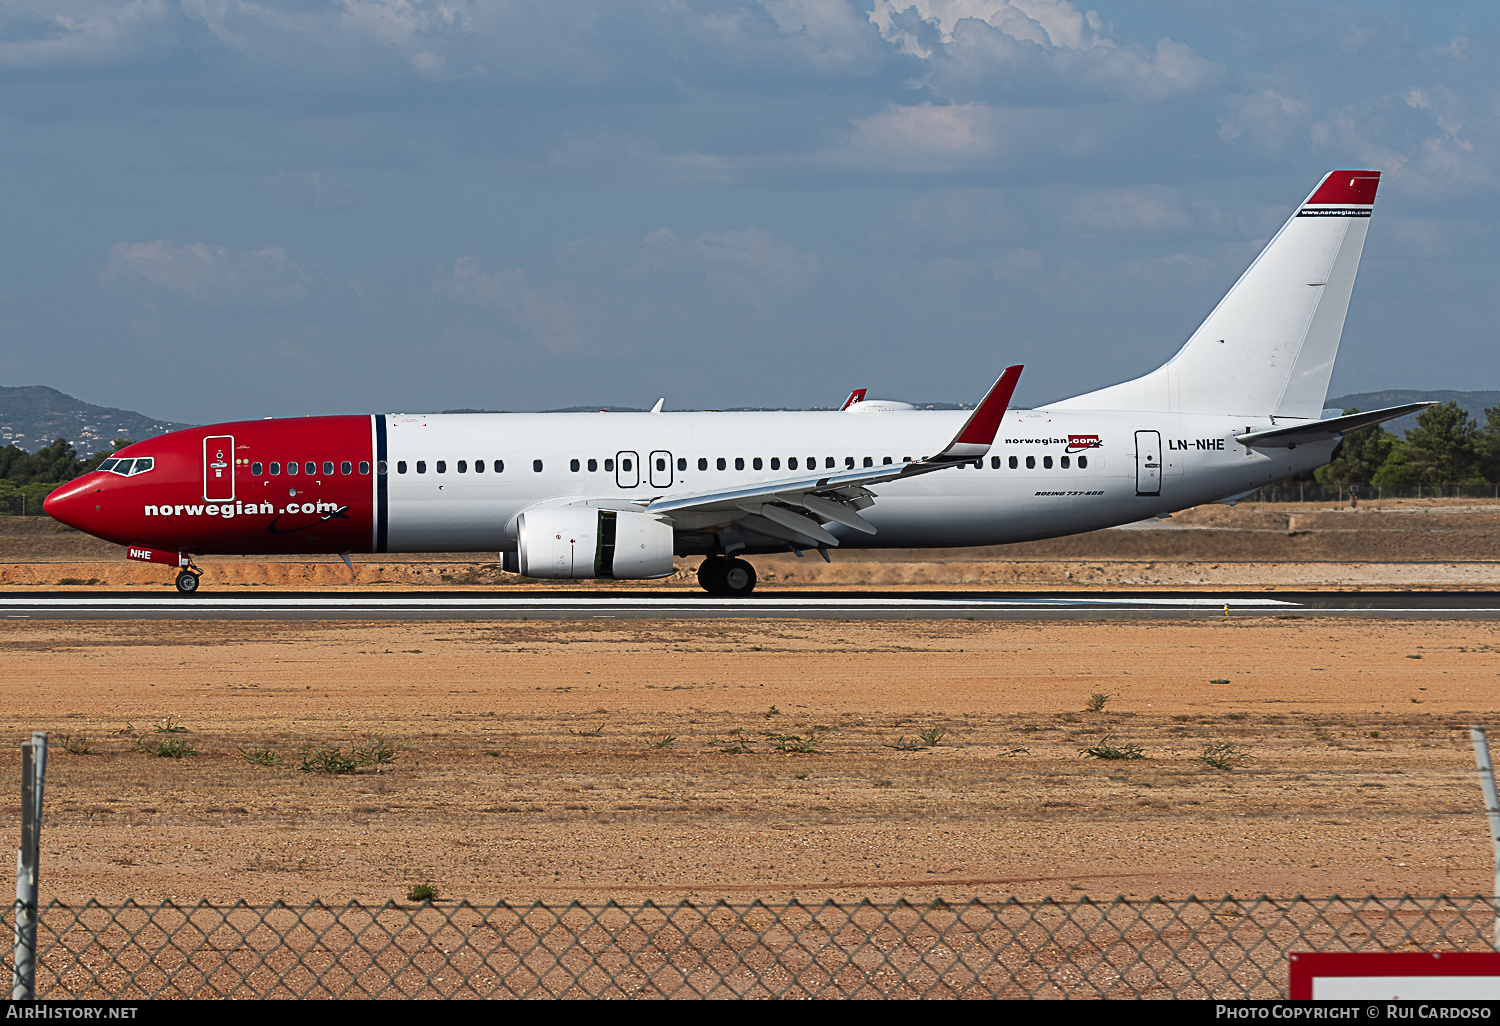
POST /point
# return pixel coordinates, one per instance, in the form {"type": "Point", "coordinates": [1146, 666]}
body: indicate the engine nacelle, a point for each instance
{"type": "Point", "coordinates": [582, 541]}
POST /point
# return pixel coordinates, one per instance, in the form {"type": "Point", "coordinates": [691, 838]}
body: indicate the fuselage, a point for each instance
{"type": "Point", "coordinates": [457, 482]}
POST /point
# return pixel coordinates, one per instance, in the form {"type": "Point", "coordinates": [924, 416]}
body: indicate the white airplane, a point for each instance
{"type": "Point", "coordinates": [617, 495]}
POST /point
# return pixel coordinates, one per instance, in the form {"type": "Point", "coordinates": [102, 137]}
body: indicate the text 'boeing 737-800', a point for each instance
{"type": "Point", "coordinates": [618, 495]}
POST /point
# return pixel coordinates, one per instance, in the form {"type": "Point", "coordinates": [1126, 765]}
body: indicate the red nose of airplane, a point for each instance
{"type": "Point", "coordinates": [71, 504]}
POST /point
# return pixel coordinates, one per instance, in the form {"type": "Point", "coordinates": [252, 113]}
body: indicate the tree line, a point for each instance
{"type": "Point", "coordinates": [27, 477]}
{"type": "Point", "coordinates": [1447, 453]}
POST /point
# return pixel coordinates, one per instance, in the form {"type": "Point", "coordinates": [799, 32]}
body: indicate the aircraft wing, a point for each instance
{"type": "Point", "coordinates": [1323, 430]}
{"type": "Point", "coordinates": [794, 511]}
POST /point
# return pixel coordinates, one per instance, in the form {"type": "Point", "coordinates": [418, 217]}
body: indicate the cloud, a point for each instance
{"type": "Point", "coordinates": [979, 48]}
{"type": "Point", "coordinates": [546, 319]}
{"type": "Point", "coordinates": [206, 275]}
{"type": "Point", "coordinates": [1130, 211]}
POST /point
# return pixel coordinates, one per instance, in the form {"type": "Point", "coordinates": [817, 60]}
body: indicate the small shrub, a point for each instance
{"type": "Point", "coordinates": [421, 892]}
{"type": "Point", "coordinates": [1107, 749]}
{"type": "Point", "coordinates": [908, 744]}
{"type": "Point", "coordinates": [932, 735]}
{"type": "Point", "coordinates": [665, 742]}
{"type": "Point", "coordinates": [377, 751]}
{"type": "Point", "coordinates": [173, 749]}
{"type": "Point", "coordinates": [326, 760]}
{"type": "Point", "coordinates": [1097, 702]}
{"type": "Point", "coordinates": [170, 725]}
{"type": "Point", "coordinates": [76, 744]}
{"type": "Point", "coordinates": [739, 746]}
{"type": "Point", "coordinates": [260, 756]}
{"type": "Point", "coordinates": [795, 744]}
{"type": "Point", "coordinates": [596, 732]}
{"type": "Point", "coordinates": [1221, 755]}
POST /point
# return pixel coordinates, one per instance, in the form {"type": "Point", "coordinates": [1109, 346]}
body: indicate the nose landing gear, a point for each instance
{"type": "Point", "coordinates": [187, 579]}
{"type": "Point", "coordinates": [731, 578]}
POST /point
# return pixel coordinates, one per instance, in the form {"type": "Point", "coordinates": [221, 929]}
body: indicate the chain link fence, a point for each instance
{"type": "Point", "coordinates": [1228, 948]}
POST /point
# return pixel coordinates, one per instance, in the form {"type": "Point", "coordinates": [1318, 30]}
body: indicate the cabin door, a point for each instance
{"type": "Point", "coordinates": [1148, 463]}
{"type": "Point", "coordinates": [218, 468]}
{"type": "Point", "coordinates": [627, 469]}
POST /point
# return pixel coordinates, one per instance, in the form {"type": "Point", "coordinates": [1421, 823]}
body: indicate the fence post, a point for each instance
{"type": "Point", "coordinates": [33, 775]}
{"type": "Point", "coordinates": [1492, 808]}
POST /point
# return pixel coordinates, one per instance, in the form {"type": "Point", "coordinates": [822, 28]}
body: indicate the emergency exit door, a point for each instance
{"type": "Point", "coordinates": [1148, 463]}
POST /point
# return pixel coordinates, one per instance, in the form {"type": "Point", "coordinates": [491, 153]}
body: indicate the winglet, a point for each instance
{"type": "Point", "coordinates": [856, 396]}
{"type": "Point", "coordinates": [978, 433]}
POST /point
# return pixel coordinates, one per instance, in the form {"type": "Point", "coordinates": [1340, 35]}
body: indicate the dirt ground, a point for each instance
{"type": "Point", "coordinates": [636, 759]}
{"type": "Point", "coordinates": [1448, 544]}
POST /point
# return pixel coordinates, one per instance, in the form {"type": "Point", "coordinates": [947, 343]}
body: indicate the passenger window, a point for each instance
{"type": "Point", "coordinates": [828, 463]}
{"type": "Point", "coordinates": [1064, 462]}
{"type": "Point", "coordinates": [346, 467]}
{"type": "Point", "coordinates": [994, 462]}
{"type": "Point", "coordinates": [609, 465]}
{"type": "Point", "coordinates": [463, 466]}
{"type": "Point", "coordinates": [702, 463]}
{"type": "Point", "coordinates": [757, 464]}
{"type": "Point", "coordinates": [327, 468]}
{"type": "Point", "coordinates": [1012, 463]}
{"type": "Point", "coordinates": [400, 466]}
{"type": "Point", "coordinates": [593, 466]}
{"type": "Point", "coordinates": [536, 466]}
{"type": "Point", "coordinates": [739, 463]}
{"type": "Point", "coordinates": [791, 464]}
{"type": "Point", "coordinates": [1046, 462]}
{"type": "Point", "coordinates": [574, 466]}
{"type": "Point", "coordinates": [681, 463]}
{"type": "Point", "coordinates": [479, 466]}
{"type": "Point", "coordinates": [627, 465]}
{"type": "Point", "coordinates": [661, 464]}
{"type": "Point", "coordinates": [848, 462]}
{"type": "Point", "coordinates": [312, 468]}
{"type": "Point", "coordinates": [775, 462]}
{"type": "Point", "coordinates": [720, 463]}
{"type": "Point", "coordinates": [885, 461]}
{"type": "Point", "coordinates": [255, 469]}
{"type": "Point", "coordinates": [421, 466]}
{"type": "Point", "coordinates": [499, 466]}
{"type": "Point", "coordinates": [276, 470]}
{"type": "Point", "coordinates": [869, 462]}
{"type": "Point", "coordinates": [1031, 463]}
{"type": "Point", "coordinates": [291, 468]}
{"type": "Point", "coordinates": [1083, 463]}
{"type": "Point", "coordinates": [442, 466]}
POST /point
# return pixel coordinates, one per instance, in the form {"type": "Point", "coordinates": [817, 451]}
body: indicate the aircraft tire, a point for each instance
{"type": "Point", "coordinates": [737, 579]}
{"type": "Point", "coordinates": [711, 574]}
{"type": "Point", "coordinates": [187, 583]}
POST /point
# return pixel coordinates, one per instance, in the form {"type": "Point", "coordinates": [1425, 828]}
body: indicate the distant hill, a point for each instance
{"type": "Point", "coordinates": [1473, 403]}
{"type": "Point", "coordinates": [32, 416]}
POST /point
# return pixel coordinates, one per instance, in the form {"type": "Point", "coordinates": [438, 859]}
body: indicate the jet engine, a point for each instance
{"type": "Point", "coordinates": [581, 541]}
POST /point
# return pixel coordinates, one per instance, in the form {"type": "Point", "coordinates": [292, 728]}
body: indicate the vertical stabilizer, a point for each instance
{"type": "Point", "coordinates": [1268, 347]}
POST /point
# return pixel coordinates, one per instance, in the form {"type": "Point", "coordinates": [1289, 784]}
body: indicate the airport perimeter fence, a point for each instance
{"type": "Point", "coordinates": [1229, 948]}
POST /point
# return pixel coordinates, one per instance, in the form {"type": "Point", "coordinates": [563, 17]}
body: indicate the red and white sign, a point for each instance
{"type": "Point", "coordinates": [1395, 976]}
{"type": "Point", "coordinates": [146, 555]}
{"type": "Point", "coordinates": [1078, 443]}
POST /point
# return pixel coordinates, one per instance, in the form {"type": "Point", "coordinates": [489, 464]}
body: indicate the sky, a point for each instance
{"type": "Point", "coordinates": [221, 210]}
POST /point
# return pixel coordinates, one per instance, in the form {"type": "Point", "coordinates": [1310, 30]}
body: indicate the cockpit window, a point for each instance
{"type": "Point", "coordinates": [123, 467]}
{"type": "Point", "coordinates": [108, 465]}
{"type": "Point", "coordinates": [126, 468]}
{"type": "Point", "coordinates": [143, 464]}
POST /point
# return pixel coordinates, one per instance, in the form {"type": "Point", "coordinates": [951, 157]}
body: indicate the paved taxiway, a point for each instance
{"type": "Point", "coordinates": [679, 605]}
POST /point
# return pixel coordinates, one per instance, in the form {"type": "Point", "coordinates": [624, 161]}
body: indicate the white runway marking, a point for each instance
{"type": "Point", "coordinates": [508, 602]}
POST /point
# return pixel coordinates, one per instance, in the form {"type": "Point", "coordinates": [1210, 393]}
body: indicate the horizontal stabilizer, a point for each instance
{"type": "Point", "coordinates": [1323, 430]}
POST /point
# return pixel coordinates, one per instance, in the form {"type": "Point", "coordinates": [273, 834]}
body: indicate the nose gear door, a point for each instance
{"type": "Point", "coordinates": [218, 468]}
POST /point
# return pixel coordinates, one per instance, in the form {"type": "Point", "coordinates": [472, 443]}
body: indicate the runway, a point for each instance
{"type": "Point", "coordinates": [812, 606]}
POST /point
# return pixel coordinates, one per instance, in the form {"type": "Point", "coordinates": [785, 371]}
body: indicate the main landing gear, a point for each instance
{"type": "Point", "coordinates": [731, 578]}
{"type": "Point", "coordinates": [187, 579]}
